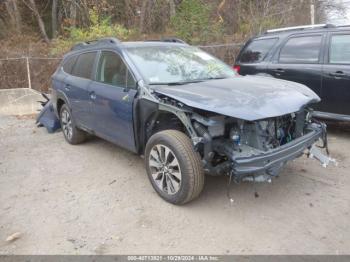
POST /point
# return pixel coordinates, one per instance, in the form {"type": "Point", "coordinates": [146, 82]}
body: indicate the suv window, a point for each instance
{"type": "Point", "coordinates": [69, 64]}
{"type": "Point", "coordinates": [340, 49]}
{"type": "Point", "coordinates": [84, 65]}
{"type": "Point", "coordinates": [257, 50]}
{"type": "Point", "coordinates": [113, 71]}
{"type": "Point", "coordinates": [302, 49]}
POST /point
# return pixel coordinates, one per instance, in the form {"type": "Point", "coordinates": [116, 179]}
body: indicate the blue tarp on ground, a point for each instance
{"type": "Point", "coordinates": [48, 119]}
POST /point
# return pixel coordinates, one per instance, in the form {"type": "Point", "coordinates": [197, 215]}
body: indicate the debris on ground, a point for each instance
{"type": "Point", "coordinates": [13, 237]}
{"type": "Point", "coordinates": [325, 160]}
{"type": "Point", "coordinates": [112, 182]}
{"type": "Point", "coordinates": [47, 116]}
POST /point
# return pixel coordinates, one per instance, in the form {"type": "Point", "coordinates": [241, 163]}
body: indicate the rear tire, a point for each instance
{"type": "Point", "coordinates": [174, 167]}
{"type": "Point", "coordinates": [71, 133]}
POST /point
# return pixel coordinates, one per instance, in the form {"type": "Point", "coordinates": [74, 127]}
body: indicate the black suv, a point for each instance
{"type": "Point", "coordinates": [317, 56]}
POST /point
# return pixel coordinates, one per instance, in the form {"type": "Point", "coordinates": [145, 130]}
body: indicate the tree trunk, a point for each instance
{"type": "Point", "coordinates": [32, 6]}
{"type": "Point", "coordinates": [172, 8]}
{"type": "Point", "coordinates": [143, 15]}
{"type": "Point", "coordinates": [54, 18]}
{"type": "Point", "coordinates": [15, 17]}
{"type": "Point", "coordinates": [73, 13]}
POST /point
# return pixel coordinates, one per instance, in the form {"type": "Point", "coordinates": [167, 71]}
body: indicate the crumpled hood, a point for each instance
{"type": "Point", "coordinates": [245, 97]}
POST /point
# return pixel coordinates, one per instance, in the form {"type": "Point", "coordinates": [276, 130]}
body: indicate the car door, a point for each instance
{"type": "Point", "coordinates": [300, 60]}
{"type": "Point", "coordinates": [336, 75]}
{"type": "Point", "coordinates": [112, 96]}
{"type": "Point", "coordinates": [76, 88]}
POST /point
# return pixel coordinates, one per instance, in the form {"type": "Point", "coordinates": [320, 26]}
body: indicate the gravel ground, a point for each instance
{"type": "Point", "coordinates": [95, 198]}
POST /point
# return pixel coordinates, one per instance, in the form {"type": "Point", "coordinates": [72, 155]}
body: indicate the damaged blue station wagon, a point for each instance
{"type": "Point", "coordinates": [185, 111]}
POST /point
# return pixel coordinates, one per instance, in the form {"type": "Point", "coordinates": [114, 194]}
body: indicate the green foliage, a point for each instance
{"type": "Point", "coordinates": [99, 27]}
{"type": "Point", "coordinates": [193, 23]}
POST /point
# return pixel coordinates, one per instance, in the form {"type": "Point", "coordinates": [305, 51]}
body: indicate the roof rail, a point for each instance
{"type": "Point", "coordinates": [173, 40]}
{"type": "Point", "coordinates": [343, 25]}
{"type": "Point", "coordinates": [101, 41]}
{"type": "Point", "coordinates": [169, 39]}
{"type": "Point", "coordinates": [302, 27]}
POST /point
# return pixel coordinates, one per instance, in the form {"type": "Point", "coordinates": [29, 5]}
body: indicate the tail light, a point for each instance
{"type": "Point", "coordinates": [237, 68]}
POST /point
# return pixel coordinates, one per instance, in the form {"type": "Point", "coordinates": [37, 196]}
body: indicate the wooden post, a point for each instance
{"type": "Point", "coordinates": [28, 73]}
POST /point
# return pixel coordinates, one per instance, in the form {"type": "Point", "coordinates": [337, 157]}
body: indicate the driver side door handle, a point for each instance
{"type": "Point", "coordinates": [337, 74]}
{"type": "Point", "coordinates": [93, 95]}
{"type": "Point", "coordinates": [278, 71]}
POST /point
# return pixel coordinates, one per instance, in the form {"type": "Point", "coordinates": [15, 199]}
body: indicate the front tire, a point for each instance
{"type": "Point", "coordinates": [71, 133]}
{"type": "Point", "coordinates": [174, 167]}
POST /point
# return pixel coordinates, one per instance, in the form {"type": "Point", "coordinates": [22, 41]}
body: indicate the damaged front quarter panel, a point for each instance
{"type": "Point", "coordinates": [248, 150]}
{"type": "Point", "coordinates": [152, 106]}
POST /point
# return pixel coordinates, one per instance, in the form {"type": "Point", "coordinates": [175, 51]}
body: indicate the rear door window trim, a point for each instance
{"type": "Point", "coordinates": [276, 38]}
{"type": "Point", "coordinates": [93, 66]}
{"type": "Point", "coordinates": [329, 42]}
{"type": "Point", "coordinates": [74, 56]}
{"type": "Point", "coordinates": [121, 57]}
{"type": "Point", "coordinates": [320, 55]}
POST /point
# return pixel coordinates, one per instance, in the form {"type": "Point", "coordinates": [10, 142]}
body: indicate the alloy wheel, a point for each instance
{"type": "Point", "coordinates": [66, 122]}
{"type": "Point", "coordinates": [165, 169]}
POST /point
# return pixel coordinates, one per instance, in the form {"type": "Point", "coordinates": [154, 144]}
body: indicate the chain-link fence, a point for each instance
{"type": "Point", "coordinates": [35, 72]}
{"type": "Point", "coordinates": [27, 72]}
{"type": "Point", "coordinates": [225, 52]}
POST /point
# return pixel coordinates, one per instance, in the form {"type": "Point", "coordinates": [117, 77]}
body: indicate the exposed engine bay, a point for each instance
{"type": "Point", "coordinates": [250, 150]}
{"type": "Point", "coordinates": [229, 142]}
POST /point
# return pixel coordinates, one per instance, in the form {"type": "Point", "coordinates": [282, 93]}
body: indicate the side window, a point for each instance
{"type": "Point", "coordinates": [69, 64]}
{"type": "Point", "coordinates": [301, 50]}
{"type": "Point", "coordinates": [112, 70]}
{"type": "Point", "coordinates": [340, 49]}
{"type": "Point", "coordinates": [257, 50]}
{"type": "Point", "coordinates": [84, 65]}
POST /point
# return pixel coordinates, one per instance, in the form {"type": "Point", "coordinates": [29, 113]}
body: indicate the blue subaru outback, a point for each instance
{"type": "Point", "coordinates": [185, 111]}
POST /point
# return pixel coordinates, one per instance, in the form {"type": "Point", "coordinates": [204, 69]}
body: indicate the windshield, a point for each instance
{"type": "Point", "coordinates": [177, 64]}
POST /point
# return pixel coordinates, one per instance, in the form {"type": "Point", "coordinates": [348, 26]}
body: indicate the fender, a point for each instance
{"type": "Point", "coordinates": [60, 95]}
{"type": "Point", "coordinates": [146, 114]}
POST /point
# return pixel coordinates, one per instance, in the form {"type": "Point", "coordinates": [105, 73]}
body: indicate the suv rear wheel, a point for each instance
{"type": "Point", "coordinates": [173, 167]}
{"type": "Point", "coordinates": [71, 133]}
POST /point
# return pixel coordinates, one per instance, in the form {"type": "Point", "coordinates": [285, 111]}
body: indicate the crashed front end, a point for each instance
{"type": "Point", "coordinates": [254, 150]}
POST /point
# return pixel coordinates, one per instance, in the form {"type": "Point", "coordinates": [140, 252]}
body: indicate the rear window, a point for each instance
{"type": "Point", "coordinates": [301, 50]}
{"type": "Point", "coordinates": [257, 50]}
{"type": "Point", "coordinates": [69, 64]}
{"type": "Point", "coordinates": [83, 66]}
{"type": "Point", "coordinates": [340, 49]}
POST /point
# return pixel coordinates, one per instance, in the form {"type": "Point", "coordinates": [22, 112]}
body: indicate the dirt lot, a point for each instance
{"type": "Point", "coordinates": [96, 199]}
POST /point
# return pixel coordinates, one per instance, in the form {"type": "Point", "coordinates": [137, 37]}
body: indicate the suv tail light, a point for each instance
{"type": "Point", "coordinates": [237, 68]}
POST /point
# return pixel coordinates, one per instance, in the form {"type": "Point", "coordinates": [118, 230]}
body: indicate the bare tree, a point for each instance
{"type": "Point", "coordinates": [172, 8]}
{"type": "Point", "coordinates": [32, 6]}
{"type": "Point", "coordinates": [54, 17]}
{"type": "Point", "coordinates": [73, 12]}
{"type": "Point", "coordinates": [143, 15]}
{"type": "Point", "coordinates": [325, 9]}
{"type": "Point", "coordinates": [14, 14]}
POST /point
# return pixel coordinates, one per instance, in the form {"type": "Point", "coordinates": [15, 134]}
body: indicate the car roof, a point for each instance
{"type": "Point", "coordinates": [286, 31]}
{"type": "Point", "coordinates": [112, 42]}
{"type": "Point", "coordinates": [154, 43]}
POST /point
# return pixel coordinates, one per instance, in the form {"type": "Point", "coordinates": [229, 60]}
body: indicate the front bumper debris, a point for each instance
{"type": "Point", "coordinates": [269, 163]}
{"type": "Point", "coordinates": [47, 116]}
{"type": "Point", "coordinates": [325, 160]}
